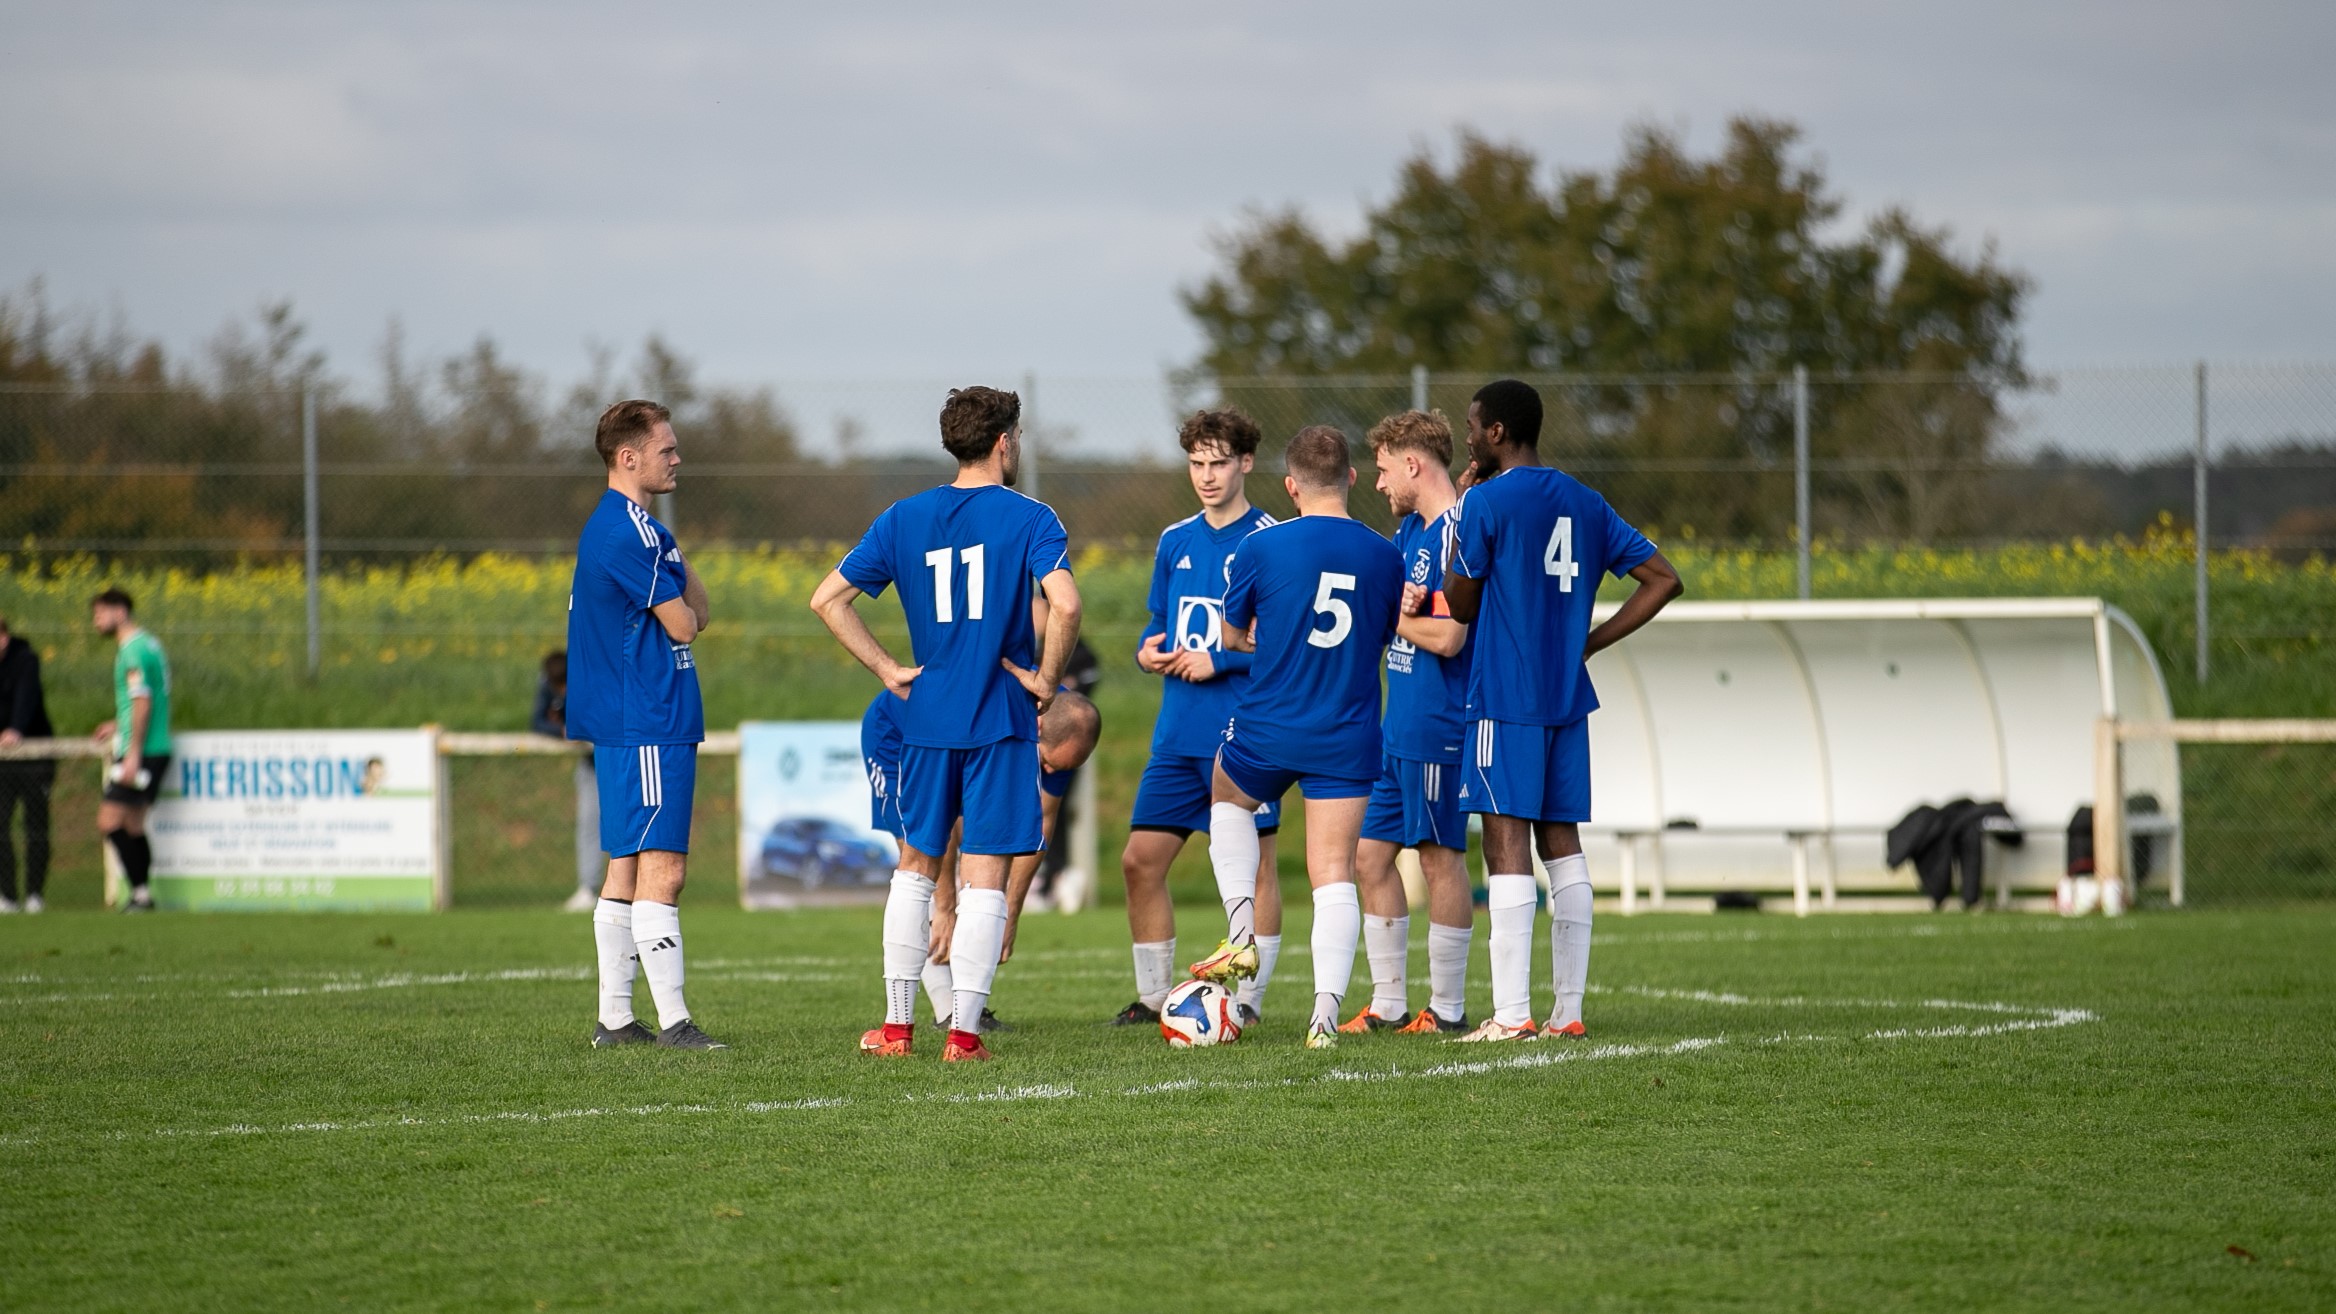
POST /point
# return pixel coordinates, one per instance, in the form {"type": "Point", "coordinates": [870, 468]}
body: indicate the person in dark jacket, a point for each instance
{"type": "Point", "coordinates": [551, 718]}
{"type": "Point", "coordinates": [24, 783]}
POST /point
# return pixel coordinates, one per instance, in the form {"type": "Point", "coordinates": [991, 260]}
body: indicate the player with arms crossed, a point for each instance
{"type": "Point", "coordinates": [1416, 804]}
{"type": "Point", "coordinates": [1529, 546]}
{"type": "Point", "coordinates": [1315, 600]}
{"type": "Point", "coordinates": [1184, 642]}
{"type": "Point", "coordinates": [633, 611]}
{"type": "Point", "coordinates": [962, 556]}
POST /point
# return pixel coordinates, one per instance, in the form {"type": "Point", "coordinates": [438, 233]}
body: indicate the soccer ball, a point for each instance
{"type": "Point", "coordinates": [1198, 1013]}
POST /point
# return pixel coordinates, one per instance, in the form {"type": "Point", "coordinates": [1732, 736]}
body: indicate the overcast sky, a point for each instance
{"type": "Point", "coordinates": [925, 190]}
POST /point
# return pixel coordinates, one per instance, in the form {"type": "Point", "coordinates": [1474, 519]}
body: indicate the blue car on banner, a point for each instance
{"type": "Point", "coordinates": [820, 852]}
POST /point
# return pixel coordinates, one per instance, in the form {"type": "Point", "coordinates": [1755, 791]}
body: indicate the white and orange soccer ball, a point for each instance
{"type": "Point", "coordinates": [1199, 1013]}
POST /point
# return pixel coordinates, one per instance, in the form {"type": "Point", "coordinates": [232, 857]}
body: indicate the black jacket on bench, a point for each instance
{"type": "Point", "coordinates": [1941, 839]}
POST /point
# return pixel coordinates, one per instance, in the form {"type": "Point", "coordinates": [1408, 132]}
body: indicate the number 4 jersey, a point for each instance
{"type": "Point", "coordinates": [1540, 541]}
{"type": "Point", "coordinates": [1323, 592]}
{"type": "Point", "coordinates": [963, 560]}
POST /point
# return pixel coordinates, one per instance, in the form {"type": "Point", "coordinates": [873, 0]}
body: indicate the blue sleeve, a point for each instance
{"type": "Point", "coordinates": [1241, 589]}
{"type": "Point", "coordinates": [868, 566]}
{"type": "Point", "coordinates": [1050, 547]}
{"type": "Point", "coordinates": [1626, 548]}
{"type": "Point", "coordinates": [667, 575]}
{"type": "Point", "coordinates": [1229, 662]}
{"type": "Point", "coordinates": [1471, 540]}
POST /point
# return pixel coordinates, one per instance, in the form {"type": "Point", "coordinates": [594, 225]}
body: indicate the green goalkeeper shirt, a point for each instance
{"type": "Point", "coordinates": [141, 671]}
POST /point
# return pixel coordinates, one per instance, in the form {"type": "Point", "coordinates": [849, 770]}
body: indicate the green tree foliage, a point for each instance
{"type": "Point", "coordinates": [1728, 270]}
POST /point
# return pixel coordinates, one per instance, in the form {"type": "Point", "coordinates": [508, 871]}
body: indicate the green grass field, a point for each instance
{"type": "Point", "coordinates": [365, 1112]}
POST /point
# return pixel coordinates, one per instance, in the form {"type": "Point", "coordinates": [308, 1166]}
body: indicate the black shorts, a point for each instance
{"type": "Point", "coordinates": [122, 792]}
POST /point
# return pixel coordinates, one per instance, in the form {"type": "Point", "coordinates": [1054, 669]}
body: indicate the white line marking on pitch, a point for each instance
{"type": "Point", "coordinates": [2024, 1018]}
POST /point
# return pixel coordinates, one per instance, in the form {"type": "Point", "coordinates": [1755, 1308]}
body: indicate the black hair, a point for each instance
{"type": "Point", "coordinates": [113, 598]}
{"type": "Point", "coordinates": [1515, 407]}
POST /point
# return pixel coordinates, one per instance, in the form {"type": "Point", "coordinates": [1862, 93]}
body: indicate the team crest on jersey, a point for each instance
{"type": "Point", "coordinates": [1200, 623]}
{"type": "Point", "coordinates": [1419, 566]}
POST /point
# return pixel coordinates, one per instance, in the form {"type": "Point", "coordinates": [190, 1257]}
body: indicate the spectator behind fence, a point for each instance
{"type": "Point", "coordinates": [26, 713]}
{"type": "Point", "coordinates": [551, 718]}
{"type": "Point", "coordinates": [137, 740]}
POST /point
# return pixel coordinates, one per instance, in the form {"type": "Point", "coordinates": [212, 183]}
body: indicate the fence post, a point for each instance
{"type": "Point", "coordinates": [1029, 475]}
{"type": "Point", "coordinates": [1801, 477]}
{"type": "Point", "coordinates": [2108, 811]}
{"type": "Point", "coordinates": [1419, 387]}
{"type": "Point", "coordinates": [2198, 522]}
{"type": "Point", "coordinates": [308, 497]}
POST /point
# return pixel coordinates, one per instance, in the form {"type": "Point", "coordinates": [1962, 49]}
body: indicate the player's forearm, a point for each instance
{"type": "Point", "coordinates": [141, 716]}
{"type": "Point", "coordinates": [1240, 640]}
{"type": "Point", "coordinates": [1658, 584]}
{"type": "Point", "coordinates": [1064, 611]}
{"type": "Point", "coordinates": [1433, 634]}
{"type": "Point", "coordinates": [693, 594]}
{"type": "Point", "coordinates": [1463, 595]}
{"type": "Point", "coordinates": [1021, 874]}
{"type": "Point", "coordinates": [844, 622]}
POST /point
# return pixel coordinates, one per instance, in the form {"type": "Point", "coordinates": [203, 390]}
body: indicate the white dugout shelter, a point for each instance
{"type": "Point", "coordinates": [1770, 746]}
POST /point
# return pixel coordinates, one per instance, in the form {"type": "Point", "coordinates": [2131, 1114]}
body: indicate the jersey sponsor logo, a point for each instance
{"type": "Point", "coordinates": [1200, 623]}
{"type": "Point", "coordinates": [1400, 654]}
{"type": "Point", "coordinates": [682, 660]}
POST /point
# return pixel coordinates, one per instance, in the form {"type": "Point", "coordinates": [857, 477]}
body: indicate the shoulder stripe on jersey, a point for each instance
{"type": "Point", "coordinates": [1178, 525]}
{"type": "Point", "coordinates": [641, 523]}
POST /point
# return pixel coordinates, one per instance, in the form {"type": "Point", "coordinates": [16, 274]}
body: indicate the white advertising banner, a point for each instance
{"type": "Point", "coordinates": [803, 817]}
{"type": "Point", "coordinates": [299, 819]}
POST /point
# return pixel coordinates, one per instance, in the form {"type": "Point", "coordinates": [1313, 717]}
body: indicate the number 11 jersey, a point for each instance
{"type": "Point", "coordinates": [1324, 593]}
{"type": "Point", "coordinates": [1539, 540]}
{"type": "Point", "coordinates": [963, 560]}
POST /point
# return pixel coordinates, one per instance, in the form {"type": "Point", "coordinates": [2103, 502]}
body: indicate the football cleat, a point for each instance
{"type": "Point", "coordinates": [685, 1035]}
{"type": "Point", "coordinates": [1573, 1030]}
{"type": "Point", "coordinates": [991, 1022]}
{"type": "Point", "coordinates": [33, 903]}
{"type": "Point", "coordinates": [631, 1033]}
{"type": "Point", "coordinates": [962, 1048]}
{"type": "Point", "coordinates": [1321, 1037]}
{"type": "Point", "coordinates": [888, 1041]}
{"type": "Point", "coordinates": [1229, 963]}
{"type": "Point", "coordinates": [581, 901]}
{"type": "Point", "coordinates": [1428, 1022]}
{"type": "Point", "coordinates": [1494, 1030]}
{"type": "Point", "coordinates": [1367, 1020]}
{"type": "Point", "coordinates": [1137, 1014]}
{"type": "Point", "coordinates": [1245, 1015]}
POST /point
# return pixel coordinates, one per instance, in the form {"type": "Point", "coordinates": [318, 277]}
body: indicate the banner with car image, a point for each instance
{"type": "Point", "coordinates": [803, 817]}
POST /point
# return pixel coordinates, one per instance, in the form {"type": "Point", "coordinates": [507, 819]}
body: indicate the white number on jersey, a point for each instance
{"type": "Point", "coordinates": [1558, 558]}
{"type": "Point", "coordinates": [1342, 617]}
{"type": "Point", "coordinates": [944, 603]}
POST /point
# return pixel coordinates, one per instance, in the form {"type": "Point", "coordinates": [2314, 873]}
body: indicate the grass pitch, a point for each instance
{"type": "Point", "coordinates": [400, 1113]}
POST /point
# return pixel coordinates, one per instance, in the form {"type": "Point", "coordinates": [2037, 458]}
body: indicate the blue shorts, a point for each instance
{"type": "Point", "coordinates": [1416, 803]}
{"type": "Point", "coordinates": [645, 794]}
{"type": "Point", "coordinates": [1174, 795]}
{"type": "Point", "coordinates": [1537, 772]}
{"type": "Point", "coordinates": [994, 788]}
{"type": "Point", "coordinates": [884, 797]}
{"type": "Point", "coordinates": [1262, 780]}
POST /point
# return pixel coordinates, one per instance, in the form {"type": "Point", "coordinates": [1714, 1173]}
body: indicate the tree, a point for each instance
{"type": "Point", "coordinates": [1722, 268]}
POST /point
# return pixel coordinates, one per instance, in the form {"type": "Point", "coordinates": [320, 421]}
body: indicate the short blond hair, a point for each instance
{"type": "Point", "coordinates": [1425, 432]}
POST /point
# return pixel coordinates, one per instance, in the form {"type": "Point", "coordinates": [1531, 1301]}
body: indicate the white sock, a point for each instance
{"type": "Point", "coordinates": [1233, 856]}
{"type": "Point", "coordinates": [908, 938]}
{"type": "Point", "coordinates": [1387, 944]}
{"type": "Point", "coordinates": [657, 935]}
{"type": "Point", "coordinates": [1338, 923]}
{"type": "Point", "coordinates": [940, 991]}
{"type": "Point", "coordinates": [1155, 971]}
{"type": "Point", "coordinates": [1569, 934]}
{"type": "Point", "coordinates": [1510, 901]}
{"type": "Point", "coordinates": [1448, 970]}
{"type": "Point", "coordinates": [973, 953]}
{"type": "Point", "coordinates": [612, 935]}
{"type": "Point", "coordinates": [1252, 991]}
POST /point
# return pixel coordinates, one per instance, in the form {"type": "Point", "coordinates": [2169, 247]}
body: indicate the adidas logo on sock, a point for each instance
{"type": "Point", "coordinates": [667, 943]}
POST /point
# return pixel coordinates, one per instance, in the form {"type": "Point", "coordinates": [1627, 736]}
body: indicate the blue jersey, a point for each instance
{"type": "Point", "coordinates": [963, 559]}
{"type": "Point", "coordinates": [1323, 591]}
{"type": "Point", "coordinates": [1539, 540]}
{"type": "Point", "coordinates": [1426, 694]}
{"type": "Point", "coordinates": [1188, 605]}
{"type": "Point", "coordinates": [629, 683]}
